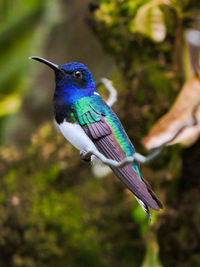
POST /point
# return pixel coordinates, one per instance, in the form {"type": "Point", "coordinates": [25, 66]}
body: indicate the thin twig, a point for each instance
{"type": "Point", "coordinates": [135, 158]}
{"type": "Point", "coordinates": [112, 98]}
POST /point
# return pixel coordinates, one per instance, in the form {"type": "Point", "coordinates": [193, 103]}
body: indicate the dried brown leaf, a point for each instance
{"type": "Point", "coordinates": [182, 123]}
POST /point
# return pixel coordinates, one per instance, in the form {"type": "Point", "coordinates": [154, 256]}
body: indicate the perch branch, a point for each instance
{"type": "Point", "coordinates": [135, 158]}
{"type": "Point", "coordinates": [112, 98]}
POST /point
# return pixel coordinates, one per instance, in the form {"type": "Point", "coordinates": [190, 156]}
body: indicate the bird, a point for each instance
{"type": "Point", "coordinates": [88, 123]}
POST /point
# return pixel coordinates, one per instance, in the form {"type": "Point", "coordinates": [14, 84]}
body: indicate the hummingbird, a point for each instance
{"type": "Point", "coordinates": [88, 123]}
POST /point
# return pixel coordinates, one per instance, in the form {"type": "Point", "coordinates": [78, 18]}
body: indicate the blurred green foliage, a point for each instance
{"type": "Point", "coordinates": [48, 220]}
{"type": "Point", "coordinates": [24, 28]}
{"type": "Point", "coordinates": [53, 211]}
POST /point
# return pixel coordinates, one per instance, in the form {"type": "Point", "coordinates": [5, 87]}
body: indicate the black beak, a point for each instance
{"type": "Point", "coordinates": [48, 63]}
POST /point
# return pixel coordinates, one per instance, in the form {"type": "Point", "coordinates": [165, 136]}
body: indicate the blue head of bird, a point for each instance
{"type": "Point", "coordinates": [73, 80]}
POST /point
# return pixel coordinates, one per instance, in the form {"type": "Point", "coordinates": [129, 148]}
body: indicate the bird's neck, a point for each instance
{"type": "Point", "coordinates": [71, 94]}
{"type": "Point", "coordinates": [64, 100]}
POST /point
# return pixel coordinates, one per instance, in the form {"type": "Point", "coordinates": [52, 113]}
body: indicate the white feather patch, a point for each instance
{"type": "Point", "coordinates": [76, 136]}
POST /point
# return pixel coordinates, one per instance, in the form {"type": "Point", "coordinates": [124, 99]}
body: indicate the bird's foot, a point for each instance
{"type": "Point", "coordinates": [84, 156]}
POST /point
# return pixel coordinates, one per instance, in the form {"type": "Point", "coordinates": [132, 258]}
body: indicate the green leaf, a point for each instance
{"type": "Point", "coordinates": [149, 21]}
{"type": "Point", "coordinates": [9, 104]}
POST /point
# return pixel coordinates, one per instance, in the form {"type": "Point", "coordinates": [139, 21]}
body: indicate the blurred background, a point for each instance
{"type": "Point", "coordinates": [54, 209]}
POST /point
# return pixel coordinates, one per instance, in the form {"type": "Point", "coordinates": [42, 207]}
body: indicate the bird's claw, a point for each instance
{"type": "Point", "coordinates": [84, 156]}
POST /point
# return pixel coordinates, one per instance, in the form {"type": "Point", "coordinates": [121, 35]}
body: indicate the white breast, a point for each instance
{"type": "Point", "coordinates": [76, 136]}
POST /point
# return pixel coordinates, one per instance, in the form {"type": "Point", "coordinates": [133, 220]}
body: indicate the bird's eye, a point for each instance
{"type": "Point", "coordinates": [78, 74]}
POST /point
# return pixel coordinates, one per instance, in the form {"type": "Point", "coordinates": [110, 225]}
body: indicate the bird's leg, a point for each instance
{"type": "Point", "coordinates": [136, 157]}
